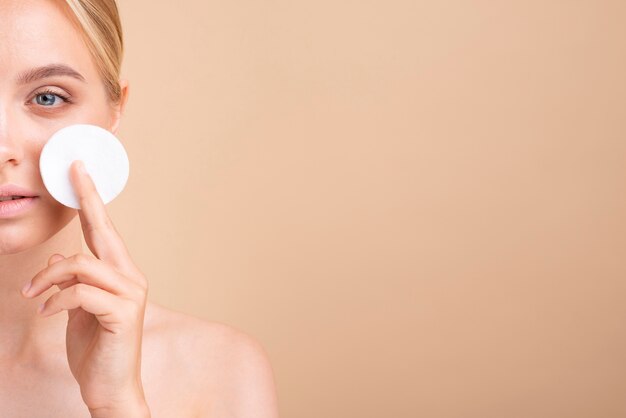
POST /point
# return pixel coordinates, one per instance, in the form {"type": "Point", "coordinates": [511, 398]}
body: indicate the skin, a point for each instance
{"type": "Point", "coordinates": [97, 349]}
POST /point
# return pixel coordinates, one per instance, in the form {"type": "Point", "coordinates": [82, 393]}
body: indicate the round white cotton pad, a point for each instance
{"type": "Point", "coordinates": [102, 153]}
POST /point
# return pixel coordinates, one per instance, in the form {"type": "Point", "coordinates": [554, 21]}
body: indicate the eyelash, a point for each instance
{"type": "Point", "coordinates": [63, 97]}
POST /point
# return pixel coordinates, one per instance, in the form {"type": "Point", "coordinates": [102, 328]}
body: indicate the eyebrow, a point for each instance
{"type": "Point", "coordinates": [51, 70]}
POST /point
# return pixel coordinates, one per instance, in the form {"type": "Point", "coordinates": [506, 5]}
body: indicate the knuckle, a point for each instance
{"type": "Point", "coordinates": [79, 290]}
{"type": "Point", "coordinates": [81, 260]}
{"type": "Point", "coordinates": [90, 228]}
{"type": "Point", "coordinates": [140, 291]}
{"type": "Point", "coordinates": [142, 281]}
{"type": "Point", "coordinates": [107, 223]}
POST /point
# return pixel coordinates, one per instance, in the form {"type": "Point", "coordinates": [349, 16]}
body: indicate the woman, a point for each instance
{"type": "Point", "coordinates": [114, 354]}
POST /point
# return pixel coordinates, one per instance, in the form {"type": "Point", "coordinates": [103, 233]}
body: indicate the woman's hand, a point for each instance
{"type": "Point", "coordinates": [105, 297]}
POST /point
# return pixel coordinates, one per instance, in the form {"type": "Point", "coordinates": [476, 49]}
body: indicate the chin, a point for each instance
{"type": "Point", "coordinates": [13, 240]}
{"type": "Point", "coordinates": [26, 234]}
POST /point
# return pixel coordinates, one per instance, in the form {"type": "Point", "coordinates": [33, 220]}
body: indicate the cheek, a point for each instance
{"type": "Point", "coordinates": [32, 138]}
{"type": "Point", "coordinates": [38, 126]}
{"type": "Point", "coordinates": [51, 217]}
{"type": "Point", "coordinates": [57, 215]}
{"type": "Point", "coordinates": [34, 135]}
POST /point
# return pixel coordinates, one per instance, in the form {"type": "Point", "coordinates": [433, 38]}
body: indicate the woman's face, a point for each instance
{"type": "Point", "coordinates": [35, 103]}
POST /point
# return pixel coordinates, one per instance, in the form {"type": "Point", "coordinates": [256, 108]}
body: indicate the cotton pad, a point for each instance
{"type": "Point", "coordinates": [102, 153]}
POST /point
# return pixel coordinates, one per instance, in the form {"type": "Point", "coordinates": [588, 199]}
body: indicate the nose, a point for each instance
{"type": "Point", "coordinates": [11, 146]}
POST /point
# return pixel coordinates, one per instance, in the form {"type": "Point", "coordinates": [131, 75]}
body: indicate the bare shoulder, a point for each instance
{"type": "Point", "coordinates": [228, 370]}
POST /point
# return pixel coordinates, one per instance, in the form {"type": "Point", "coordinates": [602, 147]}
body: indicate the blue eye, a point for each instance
{"type": "Point", "coordinates": [50, 99]}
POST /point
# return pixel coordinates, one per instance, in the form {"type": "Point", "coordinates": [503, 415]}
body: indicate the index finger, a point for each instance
{"type": "Point", "coordinates": [100, 234]}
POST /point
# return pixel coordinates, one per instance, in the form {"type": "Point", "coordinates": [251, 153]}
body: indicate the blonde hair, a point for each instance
{"type": "Point", "coordinates": [102, 28]}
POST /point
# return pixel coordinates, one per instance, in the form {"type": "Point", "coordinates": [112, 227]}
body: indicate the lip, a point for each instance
{"type": "Point", "coordinates": [12, 208]}
{"type": "Point", "coordinates": [15, 190]}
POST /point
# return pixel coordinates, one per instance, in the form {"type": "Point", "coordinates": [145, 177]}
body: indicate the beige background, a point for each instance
{"type": "Point", "coordinates": [417, 207]}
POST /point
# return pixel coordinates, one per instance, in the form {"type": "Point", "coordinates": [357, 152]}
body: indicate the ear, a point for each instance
{"type": "Point", "coordinates": [118, 110]}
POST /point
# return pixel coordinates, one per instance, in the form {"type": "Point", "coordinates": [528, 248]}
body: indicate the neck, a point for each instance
{"type": "Point", "coordinates": [26, 335]}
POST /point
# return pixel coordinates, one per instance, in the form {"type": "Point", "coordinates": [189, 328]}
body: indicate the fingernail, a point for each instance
{"type": "Point", "coordinates": [40, 308]}
{"type": "Point", "coordinates": [26, 287]}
